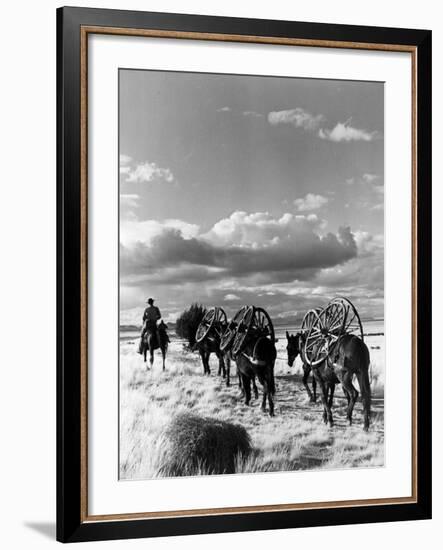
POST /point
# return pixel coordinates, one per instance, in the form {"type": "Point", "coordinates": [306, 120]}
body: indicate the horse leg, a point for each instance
{"type": "Point", "coordinates": [346, 381]}
{"type": "Point", "coordinates": [246, 382]}
{"type": "Point", "coordinates": [240, 385]}
{"type": "Point", "coordinates": [314, 387]}
{"type": "Point", "coordinates": [151, 357]}
{"type": "Point", "coordinates": [267, 393]}
{"type": "Point", "coordinates": [254, 385]}
{"type": "Point", "coordinates": [271, 402]}
{"type": "Point", "coordinates": [200, 352]}
{"type": "Point", "coordinates": [306, 371]}
{"type": "Point", "coordinates": [264, 383]}
{"type": "Point", "coordinates": [204, 359]}
{"type": "Point", "coordinates": [227, 363]}
{"type": "Point", "coordinates": [207, 368]}
{"type": "Point", "coordinates": [163, 357]}
{"type": "Point", "coordinates": [365, 388]}
{"type": "Point", "coordinates": [327, 414]}
{"type": "Point", "coordinates": [331, 390]}
{"type": "Point", "coordinates": [221, 364]}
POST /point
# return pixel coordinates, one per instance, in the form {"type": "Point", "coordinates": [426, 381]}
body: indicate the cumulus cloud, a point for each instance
{"type": "Point", "coordinates": [129, 200]}
{"type": "Point", "coordinates": [125, 159]}
{"type": "Point", "coordinates": [287, 264]}
{"type": "Point", "coordinates": [370, 178]}
{"type": "Point", "coordinates": [259, 229]}
{"type": "Point", "coordinates": [364, 179]}
{"type": "Point", "coordinates": [296, 117]}
{"type": "Point", "coordinates": [147, 172]}
{"type": "Point", "coordinates": [362, 277]}
{"type": "Point", "coordinates": [300, 118]}
{"type": "Point", "coordinates": [380, 189]}
{"type": "Point", "coordinates": [342, 131]}
{"type": "Point", "coordinates": [310, 202]}
{"type": "Point", "coordinates": [244, 245]}
{"type": "Point", "coordinates": [134, 231]}
{"type": "Point", "coordinates": [252, 114]}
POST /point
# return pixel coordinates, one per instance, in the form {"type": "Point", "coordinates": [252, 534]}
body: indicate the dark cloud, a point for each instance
{"type": "Point", "coordinates": [286, 265]}
{"type": "Point", "coordinates": [299, 256]}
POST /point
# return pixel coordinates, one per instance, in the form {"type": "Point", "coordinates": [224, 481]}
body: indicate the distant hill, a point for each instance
{"type": "Point", "coordinates": [130, 328]}
{"type": "Point", "coordinates": [137, 328]}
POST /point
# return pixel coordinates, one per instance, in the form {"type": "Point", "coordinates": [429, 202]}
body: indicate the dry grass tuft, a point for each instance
{"type": "Point", "coordinates": [194, 444]}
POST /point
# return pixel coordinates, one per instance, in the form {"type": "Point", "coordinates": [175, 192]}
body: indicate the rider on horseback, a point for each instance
{"type": "Point", "coordinates": [150, 317]}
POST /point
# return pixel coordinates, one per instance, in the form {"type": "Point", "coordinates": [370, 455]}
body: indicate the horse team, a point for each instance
{"type": "Point", "coordinates": [348, 357]}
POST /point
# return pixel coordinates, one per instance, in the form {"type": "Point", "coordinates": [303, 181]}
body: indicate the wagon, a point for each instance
{"type": "Point", "coordinates": [212, 325]}
{"type": "Point", "coordinates": [322, 327]}
{"type": "Point", "coordinates": [249, 322]}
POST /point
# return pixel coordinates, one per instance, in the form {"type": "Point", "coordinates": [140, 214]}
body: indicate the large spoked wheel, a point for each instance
{"type": "Point", "coordinates": [243, 329]}
{"type": "Point", "coordinates": [351, 319]}
{"type": "Point", "coordinates": [315, 344]}
{"type": "Point", "coordinates": [214, 320]}
{"type": "Point", "coordinates": [220, 322]}
{"type": "Point", "coordinates": [231, 330]}
{"type": "Point", "coordinates": [261, 324]}
{"type": "Point", "coordinates": [324, 328]}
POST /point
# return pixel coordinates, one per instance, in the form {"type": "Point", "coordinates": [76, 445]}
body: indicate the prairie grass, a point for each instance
{"type": "Point", "coordinates": [295, 439]}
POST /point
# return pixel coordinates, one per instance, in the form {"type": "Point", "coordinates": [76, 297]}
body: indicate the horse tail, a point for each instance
{"type": "Point", "coordinates": [365, 389]}
{"type": "Point", "coordinates": [265, 353]}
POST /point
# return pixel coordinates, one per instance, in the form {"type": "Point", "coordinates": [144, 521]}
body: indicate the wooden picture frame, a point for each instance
{"type": "Point", "coordinates": [74, 523]}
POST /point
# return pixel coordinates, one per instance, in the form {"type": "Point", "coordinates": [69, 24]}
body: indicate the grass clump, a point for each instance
{"type": "Point", "coordinates": [192, 445]}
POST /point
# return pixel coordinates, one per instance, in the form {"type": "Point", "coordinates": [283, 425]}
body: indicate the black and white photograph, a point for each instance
{"type": "Point", "coordinates": [251, 274]}
{"type": "Point", "coordinates": [221, 216]}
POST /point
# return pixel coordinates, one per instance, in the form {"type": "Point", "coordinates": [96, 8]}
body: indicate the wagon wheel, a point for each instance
{"type": "Point", "coordinates": [351, 319]}
{"type": "Point", "coordinates": [231, 330]}
{"type": "Point", "coordinates": [205, 325]}
{"type": "Point", "coordinates": [243, 329]}
{"type": "Point", "coordinates": [309, 318]}
{"type": "Point", "coordinates": [220, 322]}
{"type": "Point", "coordinates": [315, 345]}
{"type": "Point", "coordinates": [261, 324]}
{"type": "Point", "coordinates": [215, 318]}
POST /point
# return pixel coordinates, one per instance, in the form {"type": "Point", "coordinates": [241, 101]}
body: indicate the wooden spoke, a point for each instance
{"type": "Point", "coordinates": [232, 328]}
{"type": "Point", "coordinates": [352, 322]}
{"type": "Point", "coordinates": [205, 325]}
{"type": "Point", "coordinates": [243, 329]}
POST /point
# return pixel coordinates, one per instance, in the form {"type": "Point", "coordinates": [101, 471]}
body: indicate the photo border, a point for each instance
{"type": "Point", "coordinates": [73, 27]}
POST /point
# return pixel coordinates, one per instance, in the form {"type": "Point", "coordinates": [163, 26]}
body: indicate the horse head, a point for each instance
{"type": "Point", "coordinates": [293, 346]}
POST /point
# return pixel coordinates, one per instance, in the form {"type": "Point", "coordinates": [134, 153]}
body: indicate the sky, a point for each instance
{"type": "Point", "coordinates": [240, 189]}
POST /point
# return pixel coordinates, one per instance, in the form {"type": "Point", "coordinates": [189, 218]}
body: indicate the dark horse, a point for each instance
{"type": "Point", "coordinates": [209, 345]}
{"type": "Point", "coordinates": [257, 359]}
{"type": "Point", "coordinates": [294, 348]}
{"type": "Point", "coordinates": [349, 356]}
{"type": "Point", "coordinates": [155, 339]}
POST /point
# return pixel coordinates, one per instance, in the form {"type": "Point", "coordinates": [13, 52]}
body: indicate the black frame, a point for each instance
{"type": "Point", "coordinates": [70, 527]}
